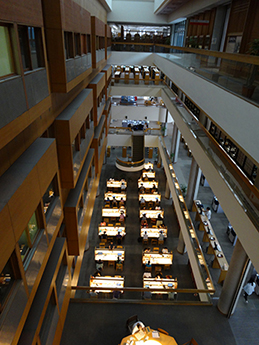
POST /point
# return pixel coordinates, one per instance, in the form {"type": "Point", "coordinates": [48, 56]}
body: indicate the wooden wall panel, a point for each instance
{"type": "Point", "coordinates": [54, 11]}
{"type": "Point", "coordinates": [66, 166]}
{"type": "Point", "coordinates": [74, 17]}
{"type": "Point", "coordinates": [6, 235]}
{"type": "Point", "coordinates": [47, 167]}
{"type": "Point", "coordinates": [24, 12]}
{"type": "Point", "coordinates": [62, 133]}
{"type": "Point", "coordinates": [24, 203]}
{"type": "Point", "coordinates": [94, 7]}
{"type": "Point", "coordinates": [237, 17]}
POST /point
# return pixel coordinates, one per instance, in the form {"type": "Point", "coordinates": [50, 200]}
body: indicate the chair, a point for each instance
{"type": "Point", "coordinates": [160, 242]}
{"type": "Point", "coordinates": [148, 269]}
{"type": "Point", "coordinates": [106, 220]}
{"type": "Point", "coordinates": [117, 224]}
{"type": "Point", "coordinates": [131, 321]}
{"type": "Point", "coordinates": [144, 240]}
{"type": "Point", "coordinates": [111, 263]}
{"type": "Point", "coordinates": [153, 221]}
{"type": "Point", "coordinates": [102, 245]}
{"type": "Point", "coordinates": [162, 331]}
{"type": "Point", "coordinates": [156, 250]}
{"type": "Point", "coordinates": [119, 247]}
{"type": "Point", "coordinates": [154, 241]}
{"type": "Point", "coordinates": [158, 269]}
{"type": "Point", "coordinates": [119, 266]}
{"type": "Point", "coordinates": [110, 224]}
{"type": "Point", "coordinates": [167, 267]}
{"type": "Point", "coordinates": [191, 342]}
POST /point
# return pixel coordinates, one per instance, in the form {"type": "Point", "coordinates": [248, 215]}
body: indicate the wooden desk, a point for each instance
{"type": "Point", "coordinates": [153, 232]}
{"type": "Point", "coordinates": [115, 184]}
{"type": "Point", "coordinates": [150, 197]}
{"type": "Point", "coordinates": [162, 340]}
{"type": "Point", "coordinates": [151, 213]}
{"type": "Point", "coordinates": [147, 184]}
{"type": "Point", "coordinates": [112, 231]}
{"type": "Point", "coordinates": [106, 254]}
{"type": "Point", "coordinates": [107, 281]}
{"type": "Point", "coordinates": [149, 174]}
{"type": "Point", "coordinates": [117, 196]}
{"type": "Point", "coordinates": [163, 284]}
{"type": "Point", "coordinates": [148, 165]}
{"type": "Point", "coordinates": [113, 212]}
{"type": "Point", "coordinates": [157, 258]}
{"type": "Point", "coordinates": [209, 236]}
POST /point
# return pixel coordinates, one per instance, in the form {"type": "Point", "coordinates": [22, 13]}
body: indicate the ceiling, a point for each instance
{"type": "Point", "coordinates": [171, 6]}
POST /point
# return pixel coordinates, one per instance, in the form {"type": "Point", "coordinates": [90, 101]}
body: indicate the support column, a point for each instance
{"type": "Point", "coordinates": [175, 143]}
{"type": "Point", "coordinates": [159, 160]}
{"type": "Point", "coordinates": [167, 191]}
{"type": "Point", "coordinates": [237, 272]}
{"type": "Point", "coordinates": [193, 184]}
{"type": "Point", "coordinates": [181, 245]}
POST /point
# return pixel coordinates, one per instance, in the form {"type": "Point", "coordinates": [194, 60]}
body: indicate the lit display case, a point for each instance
{"type": "Point", "coordinates": [107, 281]}
{"type": "Point", "coordinates": [106, 254]}
{"type": "Point", "coordinates": [157, 258]}
{"type": "Point", "coordinates": [113, 212]}
{"type": "Point", "coordinates": [151, 213]}
{"type": "Point", "coordinates": [153, 232]}
{"type": "Point", "coordinates": [117, 196]}
{"type": "Point", "coordinates": [112, 230]}
{"type": "Point", "coordinates": [147, 184]}
{"type": "Point", "coordinates": [163, 284]}
{"type": "Point", "coordinates": [150, 197]}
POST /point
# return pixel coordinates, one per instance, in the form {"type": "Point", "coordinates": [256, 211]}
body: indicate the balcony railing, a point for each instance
{"type": "Point", "coordinates": [238, 73]}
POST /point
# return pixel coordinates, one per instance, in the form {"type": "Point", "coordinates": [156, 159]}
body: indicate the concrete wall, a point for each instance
{"type": "Point", "coordinates": [131, 58]}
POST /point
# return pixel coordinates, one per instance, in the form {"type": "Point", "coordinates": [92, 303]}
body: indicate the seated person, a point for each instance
{"type": "Point", "coordinates": [114, 202]}
{"type": "Point", "coordinates": [123, 185]}
{"type": "Point", "coordinates": [119, 260]}
{"type": "Point", "coordinates": [148, 264]}
{"type": "Point", "coordinates": [103, 223]}
{"type": "Point", "coordinates": [159, 275]}
{"type": "Point", "coordinates": [154, 189]}
{"type": "Point", "coordinates": [157, 203]}
{"type": "Point", "coordinates": [97, 273]}
{"type": "Point", "coordinates": [122, 217]}
{"type": "Point", "coordinates": [142, 189]}
{"type": "Point", "coordinates": [118, 237]}
{"type": "Point", "coordinates": [111, 246]}
{"type": "Point", "coordinates": [138, 327]}
{"type": "Point", "coordinates": [145, 178]}
{"type": "Point", "coordinates": [107, 201]}
{"type": "Point", "coordinates": [161, 236]}
{"type": "Point", "coordinates": [147, 294]}
{"type": "Point", "coordinates": [147, 250]}
{"type": "Point", "coordinates": [104, 236]}
{"type": "Point", "coordinates": [116, 294]}
{"type": "Point", "coordinates": [99, 265]}
{"type": "Point", "coordinates": [165, 250]}
{"type": "Point", "coordinates": [145, 236]}
{"type": "Point", "coordinates": [159, 220]}
{"type": "Point", "coordinates": [142, 201]}
{"type": "Point", "coordinates": [144, 224]}
{"type": "Point", "coordinates": [121, 202]}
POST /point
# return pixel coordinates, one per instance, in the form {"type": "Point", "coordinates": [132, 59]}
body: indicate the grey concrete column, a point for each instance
{"type": "Point", "coordinates": [175, 143]}
{"type": "Point", "coordinates": [203, 119]}
{"type": "Point", "coordinates": [193, 184]}
{"type": "Point", "coordinates": [181, 245]}
{"type": "Point", "coordinates": [232, 287]}
{"type": "Point", "coordinates": [167, 191]}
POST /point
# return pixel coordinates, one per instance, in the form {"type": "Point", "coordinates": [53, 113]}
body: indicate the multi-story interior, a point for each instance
{"type": "Point", "coordinates": [56, 82]}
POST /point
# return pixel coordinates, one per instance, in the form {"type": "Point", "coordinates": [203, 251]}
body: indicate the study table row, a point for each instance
{"type": "Point", "coordinates": [112, 231]}
{"type": "Point", "coordinates": [153, 257]}
{"type": "Point", "coordinates": [112, 282]}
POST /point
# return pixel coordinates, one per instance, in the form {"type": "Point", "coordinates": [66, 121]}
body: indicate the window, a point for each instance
{"type": "Point", "coordinates": [83, 44]}
{"type": "Point", "coordinates": [50, 196]}
{"type": "Point", "coordinates": [6, 282]}
{"type": "Point", "coordinates": [28, 237]}
{"type": "Point", "coordinates": [6, 56]}
{"type": "Point", "coordinates": [69, 51]}
{"type": "Point", "coordinates": [31, 47]}
{"type": "Point", "coordinates": [77, 44]}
